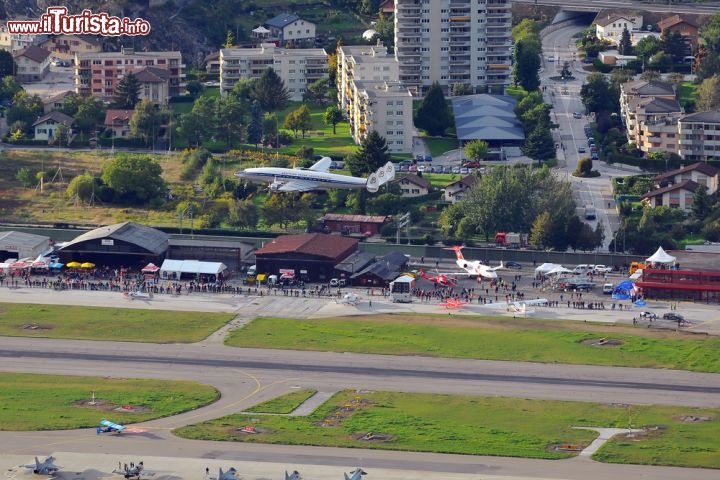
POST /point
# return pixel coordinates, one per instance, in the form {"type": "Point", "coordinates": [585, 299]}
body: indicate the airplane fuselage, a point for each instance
{"type": "Point", "coordinates": [477, 269]}
{"type": "Point", "coordinates": [323, 180]}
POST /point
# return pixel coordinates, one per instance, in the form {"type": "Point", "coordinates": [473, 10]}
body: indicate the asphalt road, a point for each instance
{"type": "Point", "coordinates": [597, 5]}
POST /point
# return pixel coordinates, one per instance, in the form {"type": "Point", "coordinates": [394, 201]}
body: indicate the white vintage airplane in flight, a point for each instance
{"type": "Point", "coordinates": [317, 177]}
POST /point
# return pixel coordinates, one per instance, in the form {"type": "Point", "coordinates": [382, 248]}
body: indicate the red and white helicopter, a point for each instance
{"type": "Point", "coordinates": [440, 279]}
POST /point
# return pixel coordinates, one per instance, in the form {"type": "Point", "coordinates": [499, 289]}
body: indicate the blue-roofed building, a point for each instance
{"type": "Point", "coordinates": [288, 27]}
{"type": "Point", "coordinates": [488, 117]}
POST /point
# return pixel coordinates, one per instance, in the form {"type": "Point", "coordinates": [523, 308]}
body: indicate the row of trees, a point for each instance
{"type": "Point", "coordinates": [522, 200]}
{"type": "Point", "coordinates": [534, 114]}
{"type": "Point", "coordinates": [528, 49]}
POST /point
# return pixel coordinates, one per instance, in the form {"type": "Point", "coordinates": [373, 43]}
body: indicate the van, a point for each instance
{"type": "Point", "coordinates": [608, 289]}
{"type": "Point", "coordinates": [590, 213]}
{"type": "Point", "coordinates": [580, 269]}
{"type": "Point", "coordinates": [272, 280]}
{"type": "Point", "coordinates": [252, 270]}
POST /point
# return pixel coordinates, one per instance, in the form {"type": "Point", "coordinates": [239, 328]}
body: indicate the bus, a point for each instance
{"type": "Point", "coordinates": [401, 289]}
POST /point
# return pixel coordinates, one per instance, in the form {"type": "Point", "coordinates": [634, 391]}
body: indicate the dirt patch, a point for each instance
{"type": "Point", "coordinates": [107, 406]}
{"type": "Point", "coordinates": [565, 447]}
{"type": "Point", "coordinates": [346, 410]}
{"type": "Point", "coordinates": [694, 418]}
{"type": "Point", "coordinates": [602, 342]}
{"type": "Point", "coordinates": [36, 326]}
{"type": "Point", "coordinates": [647, 432]}
{"type": "Point", "coordinates": [375, 437]}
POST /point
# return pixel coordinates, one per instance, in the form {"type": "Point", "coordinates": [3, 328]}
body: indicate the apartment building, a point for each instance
{"type": "Point", "coordinates": [31, 64]}
{"type": "Point", "coordinates": [97, 73]}
{"type": "Point", "coordinates": [384, 107]}
{"type": "Point", "coordinates": [66, 47]}
{"type": "Point", "coordinates": [287, 27]}
{"type": "Point", "coordinates": [297, 67]}
{"type": "Point", "coordinates": [363, 62]}
{"type": "Point", "coordinates": [650, 112]}
{"type": "Point", "coordinates": [454, 41]}
{"type": "Point", "coordinates": [700, 136]}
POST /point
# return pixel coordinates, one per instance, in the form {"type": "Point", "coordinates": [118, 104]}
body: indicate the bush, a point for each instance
{"type": "Point", "coordinates": [305, 152]}
{"type": "Point", "coordinates": [677, 232]}
{"type": "Point", "coordinates": [711, 231]}
{"type": "Point", "coordinates": [26, 177]}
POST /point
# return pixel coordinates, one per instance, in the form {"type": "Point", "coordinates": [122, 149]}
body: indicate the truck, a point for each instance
{"type": "Point", "coordinates": [511, 239]}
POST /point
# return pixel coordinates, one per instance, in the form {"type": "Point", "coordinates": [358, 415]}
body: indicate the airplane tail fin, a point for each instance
{"type": "Point", "coordinates": [458, 252]}
{"type": "Point", "coordinates": [380, 177]}
{"type": "Point", "coordinates": [37, 463]}
{"type": "Point", "coordinates": [346, 476]}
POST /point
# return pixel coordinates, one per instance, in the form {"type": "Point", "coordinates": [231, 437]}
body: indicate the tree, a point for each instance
{"type": "Point", "coordinates": [460, 89]}
{"type": "Point", "coordinates": [433, 114]}
{"type": "Point", "coordinates": [269, 128]}
{"type": "Point", "coordinates": [298, 120]}
{"type": "Point", "coordinates": [26, 177]}
{"type": "Point", "coordinates": [708, 94]}
{"type": "Point", "coordinates": [625, 45]}
{"type": "Point", "coordinates": [526, 28]}
{"type": "Point", "coordinates": [90, 112]}
{"type": "Point", "coordinates": [540, 233]}
{"type": "Point", "coordinates": [255, 130]}
{"type": "Point", "coordinates": [7, 64]}
{"type": "Point", "coordinates": [199, 123]}
{"type": "Point", "coordinates": [710, 33]}
{"type": "Point", "coordinates": [317, 92]}
{"type": "Point", "coordinates": [597, 94]}
{"type": "Point", "coordinates": [332, 68]}
{"type": "Point", "coordinates": [584, 167]}
{"type": "Point", "coordinates": [372, 154]}
{"type": "Point", "coordinates": [527, 65]}
{"type": "Point", "coordinates": [144, 120]}
{"type": "Point", "coordinates": [673, 44]}
{"type": "Point", "coordinates": [476, 150]}
{"type": "Point", "coordinates": [661, 61]}
{"type": "Point", "coordinates": [566, 72]}
{"type": "Point", "coordinates": [229, 118]}
{"type": "Point", "coordinates": [650, 75]}
{"type": "Point", "coordinates": [539, 145]}
{"type": "Point", "coordinates": [243, 214]}
{"type": "Point", "coordinates": [82, 187]}
{"type": "Point", "coordinates": [333, 116]}
{"type": "Point", "coordinates": [278, 209]}
{"type": "Point", "coordinates": [127, 92]}
{"type": "Point", "coordinates": [270, 91]}
{"type": "Point", "coordinates": [701, 203]}
{"type": "Point", "coordinates": [676, 77]}
{"type": "Point", "coordinates": [25, 108]}
{"type": "Point", "coordinates": [244, 89]}
{"type": "Point", "coordinates": [8, 88]}
{"type": "Point", "coordinates": [229, 39]}
{"type": "Point", "coordinates": [194, 88]}
{"type": "Point", "coordinates": [647, 47]}
{"type": "Point", "coordinates": [134, 178]}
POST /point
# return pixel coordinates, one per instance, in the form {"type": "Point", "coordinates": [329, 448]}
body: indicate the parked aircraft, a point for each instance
{"type": "Point", "coordinates": [440, 279]}
{"type": "Point", "coordinates": [136, 471]}
{"type": "Point", "coordinates": [231, 474]}
{"type": "Point", "coordinates": [106, 426]}
{"type": "Point", "coordinates": [475, 268]}
{"type": "Point", "coordinates": [46, 467]}
{"type": "Point", "coordinates": [452, 303]}
{"type": "Point", "coordinates": [349, 299]}
{"type": "Point", "coordinates": [317, 177]}
{"type": "Point", "coordinates": [356, 474]}
{"type": "Point", "coordinates": [138, 295]}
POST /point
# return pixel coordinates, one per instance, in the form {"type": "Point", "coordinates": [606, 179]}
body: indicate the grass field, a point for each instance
{"type": "Point", "coordinates": [115, 324]}
{"type": "Point", "coordinates": [441, 180]}
{"type": "Point", "coordinates": [687, 93]}
{"type": "Point", "coordinates": [484, 338]}
{"type": "Point", "coordinates": [52, 402]}
{"type": "Point", "coordinates": [474, 425]}
{"type": "Point", "coordinates": [438, 146]}
{"type": "Point", "coordinates": [285, 403]}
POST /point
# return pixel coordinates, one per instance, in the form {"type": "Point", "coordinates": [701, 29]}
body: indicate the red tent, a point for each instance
{"type": "Point", "coordinates": [150, 268]}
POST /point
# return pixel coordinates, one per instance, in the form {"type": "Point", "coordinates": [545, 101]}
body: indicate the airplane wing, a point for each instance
{"type": "Point", "coordinates": [298, 186]}
{"type": "Point", "coordinates": [114, 426]}
{"type": "Point", "coordinates": [322, 165]}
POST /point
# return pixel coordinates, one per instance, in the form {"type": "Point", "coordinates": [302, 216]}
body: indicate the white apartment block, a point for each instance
{"type": "Point", "coordinates": [700, 136]}
{"type": "Point", "coordinates": [363, 63]}
{"type": "Point", "coordinates": [454, 41]}
{"type": "Point", "coordinates": [297, 67]}
{"type": "Point", "coordinates": [384, 107]}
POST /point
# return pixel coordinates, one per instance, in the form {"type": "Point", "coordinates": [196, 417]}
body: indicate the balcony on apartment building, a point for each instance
{"type": "Point", "coordinates": [411, 10]}
{"type": "Point", "coordinates": [498, 14]}
{"type": "Point", "coordinates": [498, 4]}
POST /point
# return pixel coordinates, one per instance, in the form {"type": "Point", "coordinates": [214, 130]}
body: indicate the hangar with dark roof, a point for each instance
{"type": "Point", "coordinates": [311, 257]}
{"type": "Point", "coordinates": [123, 244]}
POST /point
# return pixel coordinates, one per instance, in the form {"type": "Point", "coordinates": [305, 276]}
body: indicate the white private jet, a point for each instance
{"type": "Point", "coordinates": [317, 177]}
{"type": "Point", "coordinates": [475, 268]}
{"type": "Point", "coordinates": [138, 295]}
{"type": "Point", "coordinates": [349, 299]}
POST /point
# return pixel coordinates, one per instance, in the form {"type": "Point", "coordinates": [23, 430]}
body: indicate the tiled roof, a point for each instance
{"type": "Point", "coordinates": [684, 185]}
{"type": "Point", "coordinates": [113, 116]}
{"type": "Point", "coordinates": [708, 170]}
{"type": "Point", "coordinates": [674, 20]}
{"type": "Point", "coordinates": [151, 75]}
{"type": "Point", "coordinates": [706, 117]}
{"type": "Point", "coordinates": [317, 244]}
{"type": "Point", "coordinates": [419, 181]}
{"type": "Point", "coordinates": [34, 53]}
{"type": "Point", "coordinates": [282, 20]}
{"type": "Point", "coordinates": [56, 116]}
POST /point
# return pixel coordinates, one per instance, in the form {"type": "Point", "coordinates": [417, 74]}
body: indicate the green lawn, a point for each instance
{"type": "Point", "coordinates": [441, 180]}
{"type": "Point", "coordinates": [285, 403]}
{"type": "Point", "coordinates": [490, 338]}
{"type": "Point", "coordinates": [687, 93]}
{"type": "Point", "coordinates": [115, 324]}
{"type": "Point", "coordinates": [51, 402]}
{"type": "Point", "coordinates": [474, 425]}
{"type": "Point", "coordinates": [438, 146]}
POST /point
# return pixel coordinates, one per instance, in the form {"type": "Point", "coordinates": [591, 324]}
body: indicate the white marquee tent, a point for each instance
{"type": "Point", "coordinates": [661, 256]}
{"type": "Point", "coordinates": [545, 268]}
{"type": "Point", "coordinates": [196, 267]}
{"type": "Point", "coordinates": [558, 269]}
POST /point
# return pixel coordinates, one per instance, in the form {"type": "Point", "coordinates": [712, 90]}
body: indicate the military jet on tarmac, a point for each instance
{"type": "Point", "coordinates": [295, 475]}
{"type": "Point", "coordinates": [349, 299]}
{"type": "Point", "coordinates": [231, 474]}
{"type": "Point", "coordinates": [134, 471]}
{"type": "Point", "coordinates": [356, 474]}
{"type": "Point", "coordinates": [47, 467]}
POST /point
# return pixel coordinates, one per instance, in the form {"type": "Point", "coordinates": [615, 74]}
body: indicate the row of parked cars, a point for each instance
{"type": "Point", "coordinates": [583, 269]}
{"type": "Point", "coordinates": [591, 143]}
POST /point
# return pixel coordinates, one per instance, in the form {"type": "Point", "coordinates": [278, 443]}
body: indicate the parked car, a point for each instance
{"type": "Point", "coordinates": [447, 169]}
{"type": "Point", "coordinates": [550, 59]}
{"type": "Point", "coordinates": [413, 168]}
{"type": "Point", "coordinates": [581, 149]}
{"type": "Point", "coordinates": [464, 170]}
{"type": "Point", "coordinates": [406, 163]}
{"type": "Point", "coordinates": [397, 167]}
{"type": "Point", "coordinates": [591, 140]}
{"type": "Point", "coordinates": [422, 168]}
{"type": "Point", "coordinates": [334, 282]}
{"type": "Point", "coordinates": [594, 156]}
{"type": "Point", "coordinates": [472, 164]}
{"type": "Point", "coordinates": [649, 315]}
{"type": "Point", "coordinates": [428, 158]}
{"type": "Point", "coordinates": [419, 157]}
{"type": "Point", "coordinates": [580, 269]}
{"type": "Point", "coordinates": [676, 317]}
{"type": "Point", "coordinates": [455, 169]}
{"type": "Point", "coordinates": [404, 168]}
{"type": "Point", "coordinates": [600, 269]}
{"type": "Point", "coordinates": [515, 265]}
{"type": "Point", "coordinates": [608, 289]}
{"type": "Point", "coordinates": [577, 115]}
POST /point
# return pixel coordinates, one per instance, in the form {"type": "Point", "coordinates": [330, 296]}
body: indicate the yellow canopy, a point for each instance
{"type": "Point", "coordinates": [87, 265]}
{"type": "Point", "coordinates": [74, 265]}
